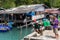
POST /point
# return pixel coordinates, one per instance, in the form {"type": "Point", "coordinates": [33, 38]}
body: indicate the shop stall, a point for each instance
{"type": "Point", "coordinates": [23, 15]}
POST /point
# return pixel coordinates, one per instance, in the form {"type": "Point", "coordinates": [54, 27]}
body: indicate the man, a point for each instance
{"type": "Point", "coordinates": [41, 27]}
{"type": "Point", "coordinates": [37, 27]}
{"type": "Point", "coordinates": [55, 26]}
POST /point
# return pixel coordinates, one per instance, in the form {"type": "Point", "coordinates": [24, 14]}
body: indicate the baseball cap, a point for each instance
{"type": "Point", "coordinates": [34, 20]}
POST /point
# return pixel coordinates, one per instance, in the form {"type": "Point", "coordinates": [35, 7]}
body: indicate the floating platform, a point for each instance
{"type": "Point", "coordinates": [47, 35]}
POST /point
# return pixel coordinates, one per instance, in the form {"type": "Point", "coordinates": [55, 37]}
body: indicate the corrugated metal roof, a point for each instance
{"type": "Point", "coordinates": [22, 9]}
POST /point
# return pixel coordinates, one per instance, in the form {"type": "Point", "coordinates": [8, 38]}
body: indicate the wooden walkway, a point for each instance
{"type": "Point", "coordinates": [47, 35]}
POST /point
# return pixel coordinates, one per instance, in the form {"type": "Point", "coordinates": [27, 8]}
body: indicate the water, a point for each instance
{"type": "Point", "coordinates": [15, 34]}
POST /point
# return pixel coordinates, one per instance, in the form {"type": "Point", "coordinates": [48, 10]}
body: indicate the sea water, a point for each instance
{"type": "Point", "coordinates": [15, 34]}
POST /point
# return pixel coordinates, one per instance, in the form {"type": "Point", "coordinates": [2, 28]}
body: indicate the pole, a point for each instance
{"type": "Point", "coordinates": [26, 25]}
{"type": "Point", "coordinates": [12, 17]}
{"type": "Point", "coordinates": [8, 17]}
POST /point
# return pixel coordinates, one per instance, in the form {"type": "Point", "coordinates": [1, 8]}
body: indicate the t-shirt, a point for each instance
{"type": "Point", "coordinates": [36, 26]}
{"type": "Point", "coordinates": [46, 23]}
{"type": "Point", "coordinates": [10, 24]}
{"type": "Point", "coordinates": [55, 25]}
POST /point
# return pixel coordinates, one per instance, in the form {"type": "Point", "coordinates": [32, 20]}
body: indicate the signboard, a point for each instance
{"type": "Point", "coordinates": [38, 16]}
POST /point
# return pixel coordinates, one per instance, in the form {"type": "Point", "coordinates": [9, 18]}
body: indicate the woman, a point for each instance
{"type": "Point", "coordinates": [55, 26]}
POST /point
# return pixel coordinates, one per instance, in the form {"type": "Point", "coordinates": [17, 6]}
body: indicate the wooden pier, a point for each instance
{"type": "Point", "coordinates": [47, 35]}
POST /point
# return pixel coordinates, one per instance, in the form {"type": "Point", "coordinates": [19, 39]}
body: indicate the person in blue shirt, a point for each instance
{"type": "Point", "coordinates": [10, 24]}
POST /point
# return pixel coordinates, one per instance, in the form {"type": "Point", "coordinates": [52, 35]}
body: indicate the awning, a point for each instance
{"type": "Point", "coordinates": [52, 10]}
{"type": "Point", "coordinates": [55, 12]}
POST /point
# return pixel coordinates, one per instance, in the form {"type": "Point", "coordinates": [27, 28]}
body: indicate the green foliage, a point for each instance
{"type": "Point", "coordinates": [36, 1]}
{"type": "Point", "coordinates": [7, 3]}
{"type": "Point", "coordinates": [48, 3]}
{"type": "Point", "coordinates": [56, 3]}
{"type": "Point", "coordinates": [14, 3]}
{"type": "Point", "coordinates": [26, 2]}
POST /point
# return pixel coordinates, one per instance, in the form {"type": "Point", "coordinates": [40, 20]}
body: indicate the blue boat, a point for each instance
{"type": "Point", "coordinates": [5, 28]}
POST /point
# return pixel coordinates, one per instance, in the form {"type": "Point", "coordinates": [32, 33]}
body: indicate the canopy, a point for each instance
{"type": "Point", "coordinates": [52, 10]}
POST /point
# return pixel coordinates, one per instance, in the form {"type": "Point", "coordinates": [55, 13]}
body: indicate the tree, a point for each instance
{"type": "Point", "coordinates": [14, 3]}
{"type": "Point", "coordinates": [36, 1]}
{"type": "Point", "coordinates": [56, 3]}
{"type": "Point", "coordinates": [7, 3]}
{"type": "Point", "coordinates": [52, 3]}
{"type": "Point", "coordinates": [47, 2]}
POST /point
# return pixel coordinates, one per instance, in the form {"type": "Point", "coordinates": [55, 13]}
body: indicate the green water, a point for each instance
{"type": "Point", "coordinates": [15, 34]}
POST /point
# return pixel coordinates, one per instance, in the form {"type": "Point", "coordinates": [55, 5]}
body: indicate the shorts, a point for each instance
{"type": "Point", "coordinates": [55, 30]}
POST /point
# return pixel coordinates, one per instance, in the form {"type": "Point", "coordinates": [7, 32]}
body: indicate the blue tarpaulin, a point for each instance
{"type": "Point", "coordinates": [31, 13]}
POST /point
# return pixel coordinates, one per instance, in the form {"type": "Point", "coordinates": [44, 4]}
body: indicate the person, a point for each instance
{"type": "Point", "coordinates": [6, 23]}
{"type": "Point", "coordinates": [10, 23]}
{"type": "Point", "coordinates": [36, 27]}
{"type": "Point", "coordinates": [46, 23]}
{"type": "Point", "coordinates": [51, 19]}
{"type": "Point", "coordinates": [55, 26]}
{"type": "Point", "coordinates": [41, 27]}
